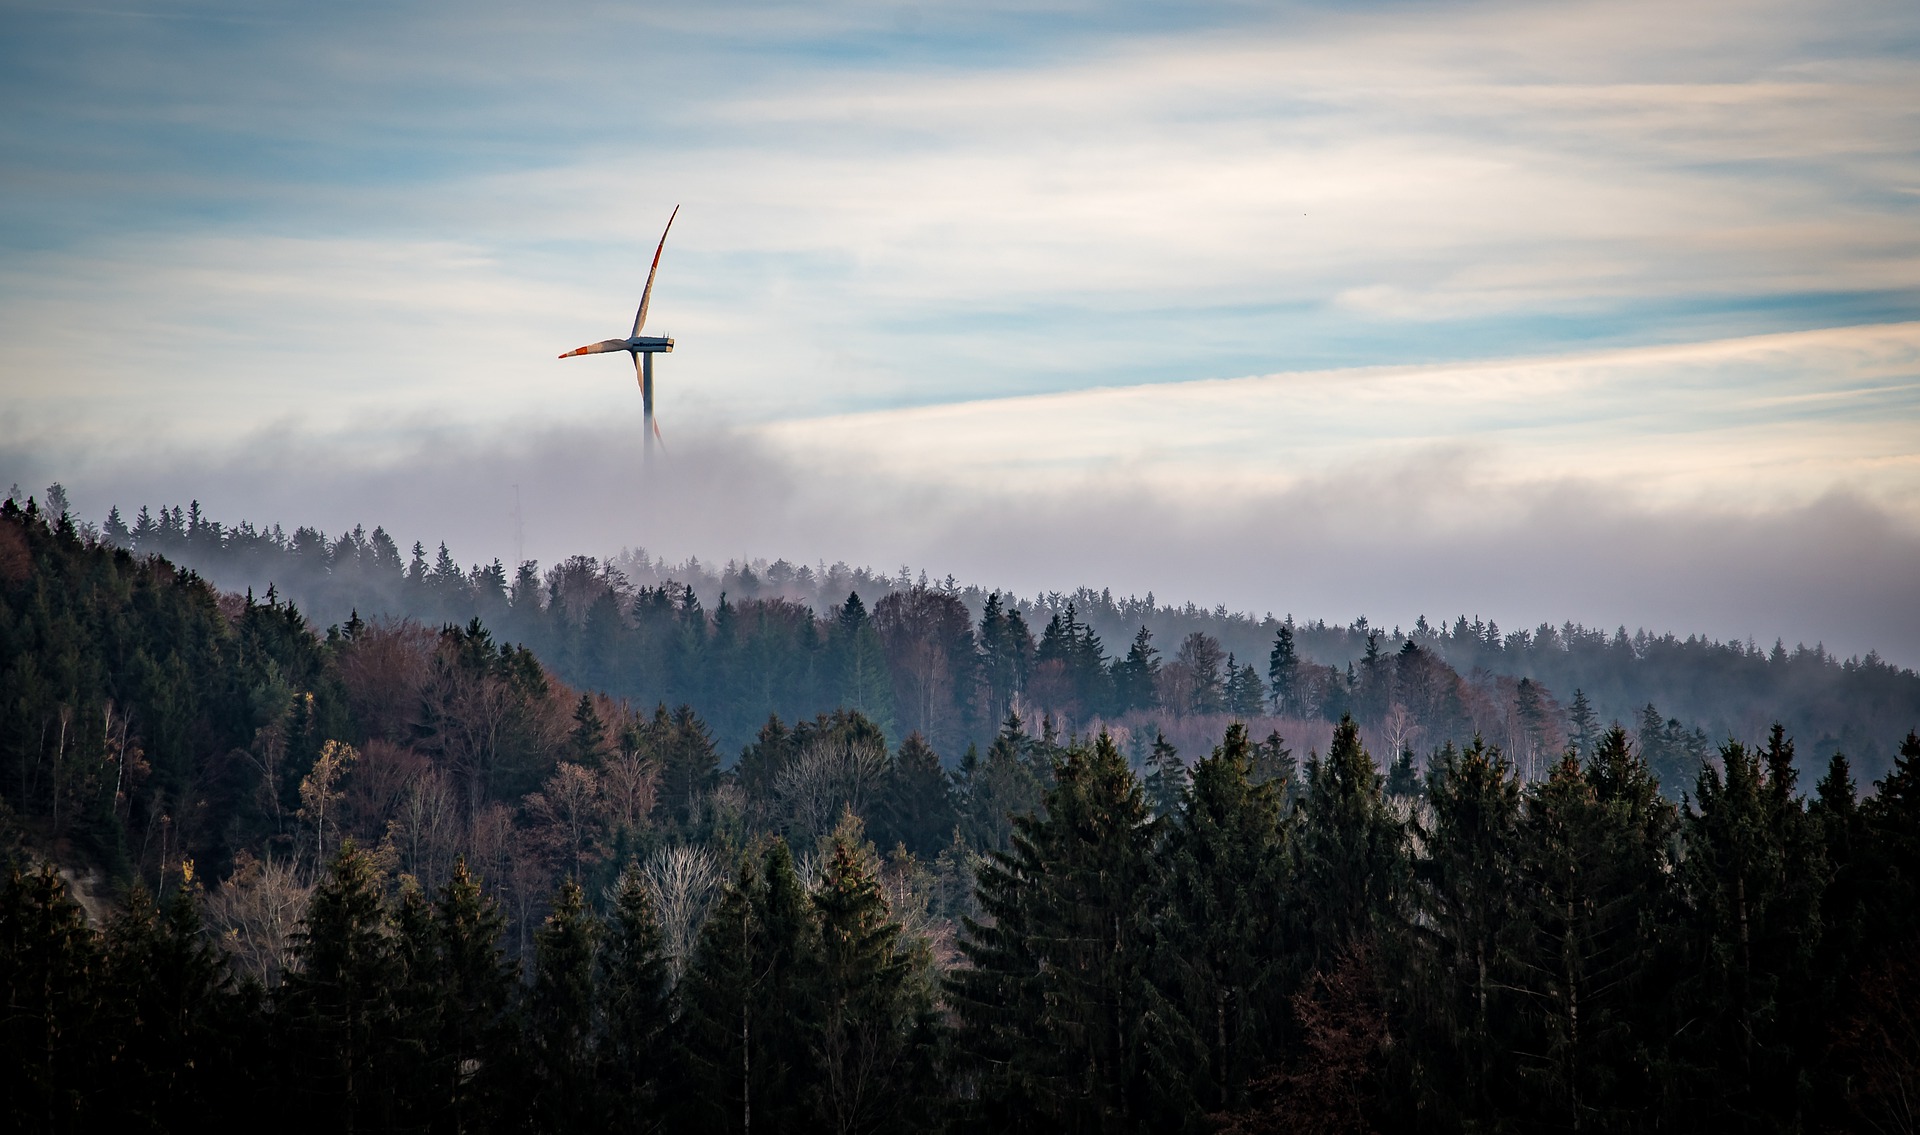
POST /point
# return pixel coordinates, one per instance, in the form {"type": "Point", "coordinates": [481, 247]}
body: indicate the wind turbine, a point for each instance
{"type": "Point", "coordinates": [641, 347]}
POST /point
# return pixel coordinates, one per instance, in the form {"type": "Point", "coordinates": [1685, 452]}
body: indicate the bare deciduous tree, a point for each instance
{"type": "Point", "coordinates": [827, 777]}
{"type": "Point", "coordinates": [256, 913]}
{"type": "Point", "coordinates": [682, 881]}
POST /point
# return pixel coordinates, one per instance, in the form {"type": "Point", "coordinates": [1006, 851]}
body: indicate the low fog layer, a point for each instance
{"type": "Point", "coordinates": [1433, 532]}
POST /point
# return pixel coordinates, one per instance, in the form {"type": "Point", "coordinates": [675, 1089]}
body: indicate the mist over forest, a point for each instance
{"type": "Point", "coordinates": [956, 656]}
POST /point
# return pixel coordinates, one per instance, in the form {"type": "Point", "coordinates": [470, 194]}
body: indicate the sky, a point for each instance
{"type": "Point", "coordinates": [1596, 311]}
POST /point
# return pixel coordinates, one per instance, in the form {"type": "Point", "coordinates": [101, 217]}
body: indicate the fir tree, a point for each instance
{"type": "Point", "coordinates": [870, 1046]}
{"type": "Point", "coordinates": [635, 986]}
{"type": "Point", "coordinates": [1166, 780]}
{"type": "Point", "coordinates": [1283, 666]}
{"type": "Point", "coordinates": [1055, 1007]}
{"type": "Point", "coordinates": [1221, 946]}
{"type": "Point", "coordinates": [560, 1010]}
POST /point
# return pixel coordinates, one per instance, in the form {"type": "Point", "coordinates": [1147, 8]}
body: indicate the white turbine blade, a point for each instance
{"type": "Point", "coordinates": [599, 348]}
{"type": "Point", "coordinates": [646, 297]}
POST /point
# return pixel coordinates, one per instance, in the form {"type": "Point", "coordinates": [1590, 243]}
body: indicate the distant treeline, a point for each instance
{"type": "Point", "coordinates": [408, 879]}
{"type": "Point", "coordinates": [949, 661]}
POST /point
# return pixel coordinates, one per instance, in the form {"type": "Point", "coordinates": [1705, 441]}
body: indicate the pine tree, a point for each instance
{"type": "Point", "coordinates": [991, 792]}
{"type": "Point", "coordinates": [1221, 946]}
{"type": "Point", "coordinates": [1585, 724]}
{"type": "Point", "coordinates": [1165, 783]}
{"type": "Point", "coordinates": [916, 802]}
{"type": "Point", "coordinates": [1283, 666]}
{"type": "Point", "coordinates": [1136, 677]}
{"type": "Point", "coordinates": [1055, 1006]}
{"type": "Point", "coordinates": [1597, 870]}
{"type": "Point", "coordinates": [560, 1011]}
{"type": "Point", "coordinates": [1752, 878]}
{"type": "Point", "coordinates": [471, 983]}
{"type": "Point", "coordinates": [339, 997]}
{"type": "Point", "coordinates": [747, 1018]}
{"type": "Point", "coordinates": [174, 1012]}
{"type": "Point", "coordinates": [1350, 857]}
{"type": "Point", "coordinates": [636, 987]}
{"type": "Point", "coordinates": [1470, 925]}
{"type": "Point", "coordinates": [587, 744]}
{"type": "Point", "coordinates": [870, 1047]}
{"type": "Point", "coordinates": [53, 1033]}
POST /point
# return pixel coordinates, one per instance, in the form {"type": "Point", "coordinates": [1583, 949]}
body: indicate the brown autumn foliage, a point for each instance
{"type": "Point", "coordinates": [1326, 1089]}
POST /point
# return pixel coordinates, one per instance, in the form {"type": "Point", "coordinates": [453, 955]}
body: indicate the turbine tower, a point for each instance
{"type": "Point", "coordinates": [641, 347]}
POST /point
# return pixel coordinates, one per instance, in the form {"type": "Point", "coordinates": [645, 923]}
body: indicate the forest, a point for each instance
{"type": "Point", "coordinates": [586, 850]}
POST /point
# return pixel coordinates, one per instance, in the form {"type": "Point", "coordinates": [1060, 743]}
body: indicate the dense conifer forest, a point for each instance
{"type": "Point", "coordinates": [387, 844]}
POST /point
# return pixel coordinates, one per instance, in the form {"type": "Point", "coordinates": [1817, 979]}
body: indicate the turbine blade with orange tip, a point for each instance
{"type": "Point", "coordinates": [599, 348]}
{"type": "Point", "coordinates": [640, 317]}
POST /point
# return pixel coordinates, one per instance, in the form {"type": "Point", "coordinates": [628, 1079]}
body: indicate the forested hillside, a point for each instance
{"type": "Point", "coordinates": [407, 875]}
{"type": "Point", "coordinates": [949, 660]}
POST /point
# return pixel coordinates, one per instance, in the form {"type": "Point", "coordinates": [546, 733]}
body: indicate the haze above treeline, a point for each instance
{"type": "Point", "coordinates": [954, 657]}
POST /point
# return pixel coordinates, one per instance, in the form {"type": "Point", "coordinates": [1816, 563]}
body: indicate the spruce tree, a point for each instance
{"type": "Point", "coordinates": [339, 999]}
{"type": "Point", "coordinates": [1350, 857]}
{"type": "Point", "coordinates": [1470, 927]}
{"type": "Point", "coordinates": [560, 1012]}
{"type": "Point", "coordinates": [916, 801]}
{"type": "Point", "coordinates": [472, 982]}
{"type": "Point", "coordinates": [636, 988]}
{"type": "Point", "coordinates": [1221, 945]}
{"type": "Point", "coordinates": [1056, 1010]}
{"type": "Point", "coordinates": [870, 1046]}
{"type": "Point", "coordinates": [1165, 783]}
{"type": "Point", "coordinates": [1752, 878]}
{"type": "Point", "coordinates": [1283, 666]}
{"type": "Point", "coordinates": [746, 1018]}
{"type": "Point", "coordinates": [175, 1016]}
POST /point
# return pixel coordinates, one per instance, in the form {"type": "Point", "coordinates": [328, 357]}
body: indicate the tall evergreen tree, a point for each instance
{"type": "Point", "coordinates": [1350, 856]}
{"type": "Point", "coordinates": [1752, 879]}
{"type": "Point", "coordinates": [871, 1046]}
{"type": "Point", "coordinates": [1055, 1007]}
{"type": "Point", "coordinates": [1221, 945]}
{"type": "Point", "coordinates": [747, 1016]}
{"type": "Point", "coordinates": [560, 1012]}
{"type": "Point", "coordinates": [636, 987]}
{"type": "Point", "coordinates": [1283, 669]}
{"type": "Point", "coordinates": [916, 801]}
{"type": "Point", "coordinates": [339, 999]}
{"type": "Point", "coordinates": [1471, 925]}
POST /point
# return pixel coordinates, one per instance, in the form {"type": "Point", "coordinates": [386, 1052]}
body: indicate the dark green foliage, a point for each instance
{"type": "Point", "coordinates": [636, 988]}
{"type": "Point", "coordinates": [746, 1015]}
{"type": "Point", "coordinates": [52, 1035]}
{"type": "Point", "coordinates": [1056, 1008]}
{"type": "Point", "coordinates": [1470, 927]}
{"type": "Point", "coordinates": [915, 809]}
{"type": "Point", "coordinates": [560, 1011]}
{"type": "Point", "coordinates": [342, 1016]}
{"type": "Point", "coordinates": [1166, 776]}
{"type": "Point", "coordinates": [991, 792]}
{"type": "Point", "coordinates": [1351, 852]}
{"type": "Point", "coordinates": [1752, 877]}
{"type": "Point", "coordinates": [872, 1067]}
{"type": "Point", "coordinates": [1222, 944]}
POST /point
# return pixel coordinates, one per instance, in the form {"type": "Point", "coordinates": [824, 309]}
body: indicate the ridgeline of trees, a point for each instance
{"type": "Point", "coordinates": [950, 661]}
{"type": "Point", "coordinates": [407, 879]}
